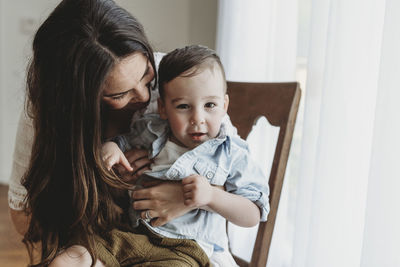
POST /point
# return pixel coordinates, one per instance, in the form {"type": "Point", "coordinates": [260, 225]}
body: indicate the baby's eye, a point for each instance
{"type": "Point", "coordinates": [182, 106]}
{"type": "Point", "coordinates": [210, 105]}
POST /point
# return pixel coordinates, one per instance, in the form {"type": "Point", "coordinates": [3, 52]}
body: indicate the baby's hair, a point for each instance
{"type": "Point", "coordinates": [186, 62]}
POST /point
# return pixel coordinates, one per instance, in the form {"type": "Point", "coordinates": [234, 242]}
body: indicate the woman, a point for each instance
{"type": "Point", "coordinates": [92, 70]}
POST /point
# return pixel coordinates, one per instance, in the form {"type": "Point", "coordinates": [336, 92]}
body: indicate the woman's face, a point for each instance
{"type": "Point", "coordinates": [127, 85]}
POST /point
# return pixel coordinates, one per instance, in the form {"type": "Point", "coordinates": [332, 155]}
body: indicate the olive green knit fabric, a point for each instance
{"type": "Point", "coordinates": [146, 248]}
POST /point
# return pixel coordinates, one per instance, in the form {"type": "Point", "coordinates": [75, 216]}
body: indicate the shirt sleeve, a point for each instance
{"type": "Point", "coordinates": [145, 133]}
{"type": "Point", "coordinates": [21, 159]}
{"type": "Point", "coordinates": [247, 179]}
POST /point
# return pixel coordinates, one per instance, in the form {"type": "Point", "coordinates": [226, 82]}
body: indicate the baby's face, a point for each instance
{"type": "Point", "coordinates": [195, 106]}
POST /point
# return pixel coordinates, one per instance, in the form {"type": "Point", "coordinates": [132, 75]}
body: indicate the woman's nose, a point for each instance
{"type": "Point", "coordinates": [141, 95]}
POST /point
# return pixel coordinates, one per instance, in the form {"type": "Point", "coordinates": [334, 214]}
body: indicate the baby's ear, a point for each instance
{"type": "Point", "coordinates": [226, 103]}
{"type": "Point", "coordinates": [161, 109]}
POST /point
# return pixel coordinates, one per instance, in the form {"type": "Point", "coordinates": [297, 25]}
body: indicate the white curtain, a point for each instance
{"type": "Point", "coordinates": [347, 208]}
{"type": "Point", "coordinates": [382, 234]}
{"type": "Point", "coordinates": [256, 41]}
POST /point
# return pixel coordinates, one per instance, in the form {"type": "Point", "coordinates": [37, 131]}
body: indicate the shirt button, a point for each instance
{"type": "Point", "coordinates": [209, 175]}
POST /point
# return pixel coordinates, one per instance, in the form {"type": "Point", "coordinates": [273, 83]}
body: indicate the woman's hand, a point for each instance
{"type": "Point", "coordinates": [139, 161]}
{"type": "Point", "coordinates": [164, 202]}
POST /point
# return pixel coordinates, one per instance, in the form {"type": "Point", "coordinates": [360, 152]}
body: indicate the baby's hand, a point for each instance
{"type": "Point", "coordinates": [112, 155]}
{"type": "Point", "coordinates": [197, 191]}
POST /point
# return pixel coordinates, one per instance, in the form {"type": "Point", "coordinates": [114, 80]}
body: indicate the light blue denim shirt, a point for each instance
{"type": "Point", "coordinates": [224, 161]}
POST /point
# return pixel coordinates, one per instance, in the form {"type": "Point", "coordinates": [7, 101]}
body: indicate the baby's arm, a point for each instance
{"type": "Point", "coordinates": [112, 155]}
{"type": "Point", "coordinates": [198, 193]}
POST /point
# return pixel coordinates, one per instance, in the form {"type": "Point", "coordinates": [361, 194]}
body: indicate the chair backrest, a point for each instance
{"type": "Point", "coordinates": [279, 103]}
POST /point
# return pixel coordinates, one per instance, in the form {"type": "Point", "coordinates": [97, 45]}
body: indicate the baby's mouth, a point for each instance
{"type": "Point", "coordinates": [197, 136]}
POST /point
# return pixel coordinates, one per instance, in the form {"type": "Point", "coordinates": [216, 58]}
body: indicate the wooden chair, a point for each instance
{"type": "Point", "coordinates": [279, 103]}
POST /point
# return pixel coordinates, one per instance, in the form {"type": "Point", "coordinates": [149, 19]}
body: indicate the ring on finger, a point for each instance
{"type": "Point", "coordinates": [147, 215]}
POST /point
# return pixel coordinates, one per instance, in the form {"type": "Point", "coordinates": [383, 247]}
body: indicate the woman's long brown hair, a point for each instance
{"type": "Point", "coordinates": [71, 197]}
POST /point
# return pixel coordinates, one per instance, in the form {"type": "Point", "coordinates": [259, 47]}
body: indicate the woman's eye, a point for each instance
{"type": "Point", "coordinates": [120, 97]}
{"type": "Point", "coordinates": [182, 106]}
{"type": "Point", "coordinates": [210, 105]}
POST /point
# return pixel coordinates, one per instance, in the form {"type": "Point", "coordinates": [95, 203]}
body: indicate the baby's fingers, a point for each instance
{"type": "Point", "coordinates": [109, 162]}
{"type": "Point", "coordinates": [188, 180]}
{"type": "Point", "coordinates": [189, 202]}
{"type": "Point", "coordinates": [188, 195]}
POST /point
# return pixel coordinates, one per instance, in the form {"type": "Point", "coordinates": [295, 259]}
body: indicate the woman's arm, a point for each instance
{"type": "Point", "coordinates": [165, 201]}
{"type": "Point", "coordinates": [20, 220]}
{"type": "Point", "coordinates": [16, 191]}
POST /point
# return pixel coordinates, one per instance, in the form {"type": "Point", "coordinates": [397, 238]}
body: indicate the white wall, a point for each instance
{"type": "Point", "coordinates": [174, 23]}
{"type": "Point", "coordinates": [19, 20]}
{"type": "Point", "coordinates": [169, 24]}
{"type": "Point", "coordinates": [203, 21]}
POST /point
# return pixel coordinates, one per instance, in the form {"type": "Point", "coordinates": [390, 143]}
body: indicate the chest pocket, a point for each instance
{"type": "Point", "coordinates": [215, 175]}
